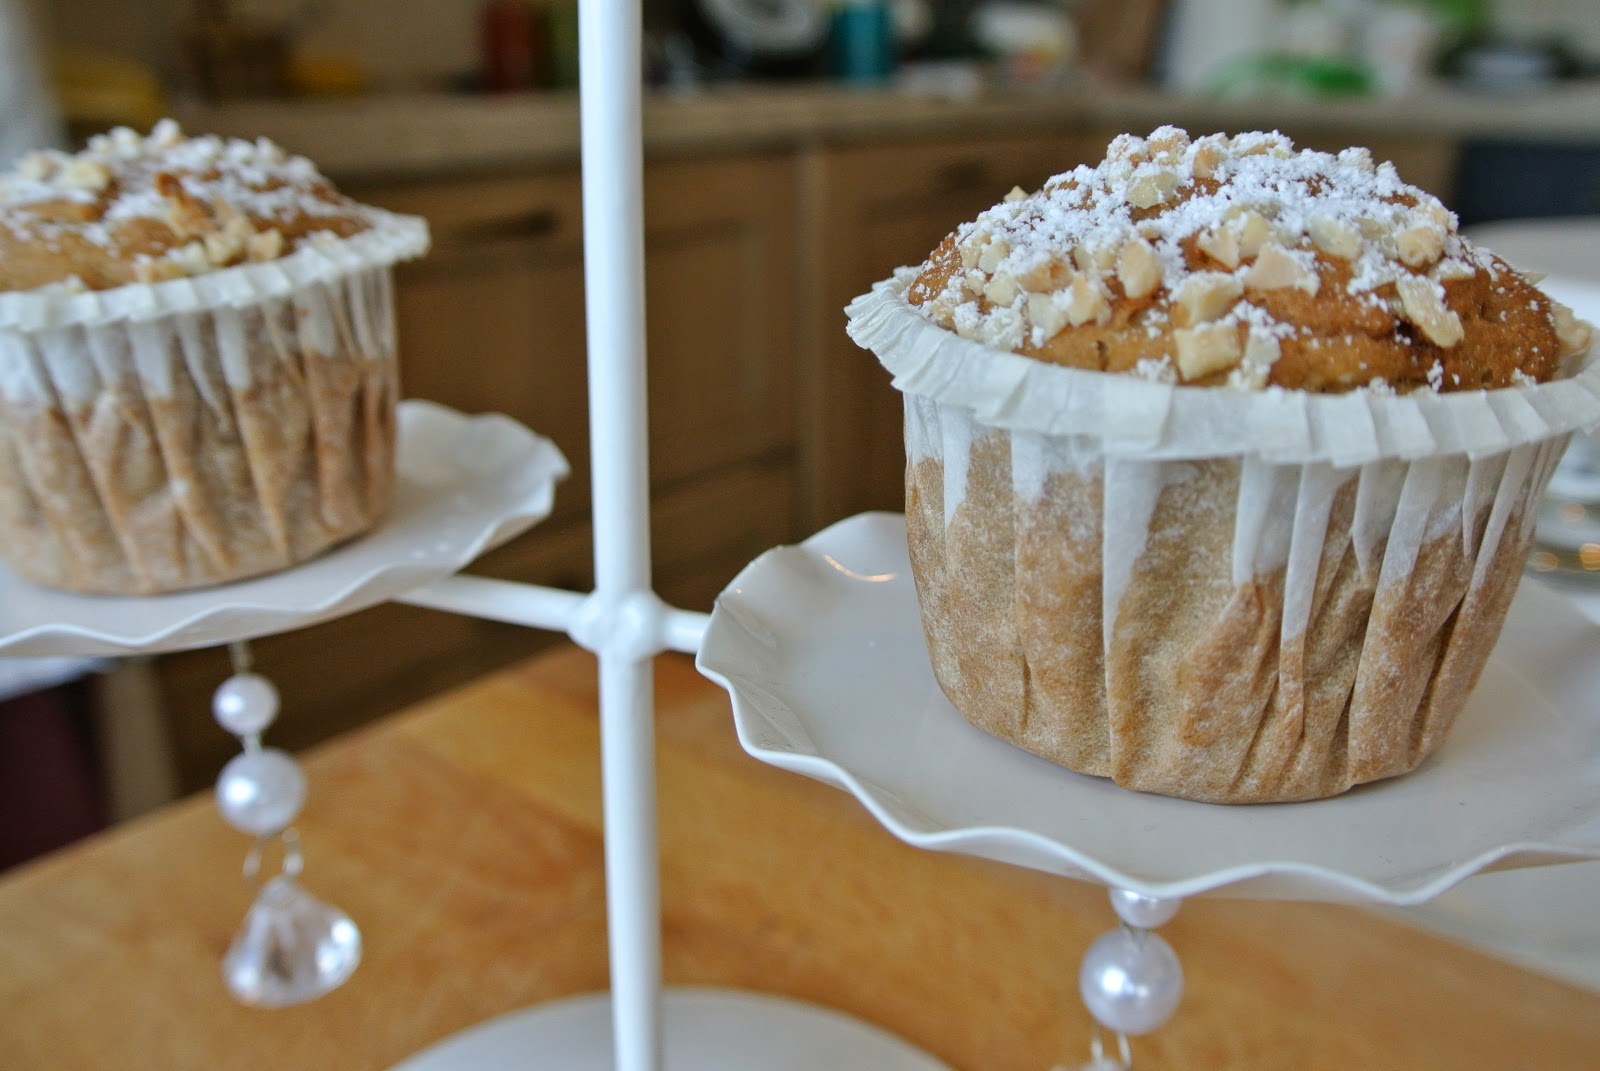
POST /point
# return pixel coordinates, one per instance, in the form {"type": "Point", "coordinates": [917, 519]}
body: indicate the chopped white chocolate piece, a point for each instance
{"type": "Point", "coordinates": [1335, 237]}
{"type": "Point", "coordinates": [1206, 295]}
{"type": "Point", "coordinates": [1423, 303]}
{"type": "Point", "coordinates": [1017, 194]}
{"type": "Point", "coordinates": [1276, 269]}
{"type": "Point", "coordinates": [1138, 269]}
{"type": "Point", "coordinates": [1205, 349]}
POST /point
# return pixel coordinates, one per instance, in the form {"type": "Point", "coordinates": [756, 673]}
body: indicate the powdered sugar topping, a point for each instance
{"type": "Point", "coordinates": [1196, 228]}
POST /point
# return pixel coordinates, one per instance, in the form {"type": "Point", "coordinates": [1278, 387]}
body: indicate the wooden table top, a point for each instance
{"type": "Point", "coordinates": [465, 838]}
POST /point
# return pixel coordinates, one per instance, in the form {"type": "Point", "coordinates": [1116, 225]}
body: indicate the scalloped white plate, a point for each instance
{"type": "Point", "coordinates": [821, 648]}
{"type": "Point", "coordinates": [465, 484]}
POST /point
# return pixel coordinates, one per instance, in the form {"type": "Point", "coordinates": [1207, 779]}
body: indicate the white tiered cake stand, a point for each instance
{"type": "Point", "coordinates": [819, 647]}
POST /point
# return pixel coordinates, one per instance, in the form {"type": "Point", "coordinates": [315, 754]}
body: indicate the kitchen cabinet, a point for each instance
{"type": "Point", "coordinates": [493, 320]}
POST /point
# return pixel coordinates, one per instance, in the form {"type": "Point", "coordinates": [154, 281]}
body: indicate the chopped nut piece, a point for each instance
{"type": "Point", "coordinates": [1137, 268]}
{"type": "Point", "coordinates": [1420, 245]}
{"type": "Point", "coordinates": [1128, 148]}
{"type": "Point", "coordinates": [1002, 289]}
{"type": "Point", "coordinates": [38, 166]}
{"type": "Point", "coordinates": [1276, 268]}
{"type": "Point", "coordinates": [1261, 352]}
{"type": "Point", "coordinates": [1017, 194]}
{"type": "Point", "coordinates": [1045, 275]}
{"type": "Point", "coordinates": [1048, 315]}
{"type": "Point", "coordinates": [1151, 189]}
{"type": "Point", "coordinates": [1086, 301]}
{"type": "Point", "coordinates": [1358, 158]}
{"type": "Point", "coordinates": [83, 173]}
{"type": "Point", "coordinates": [993, 254]}
{"type": "Point", "coordinates": [1253, 232]}
{"type": "Point", "coordinates": [968, 252]}
{"type": "Point", "coordinates": [1207, 155]}
{"type": "Point", "coordinates": [188, 217]}
{"type": "Point", "coordinates": [1205, 349]}
{"type": "Point", "coordinates": [1434, 211]}
{"type": "Point", "coordinates": [1205, 295]}
{"type": "Point", "coordinates": [1220, 244]}
{"type": "Point", "coordinates": [1335, 237]}
{"type": "Point", "coordinates": [1094, 259]}
{"type": "Point", "coordinates": [1573, 334]}
{"type": "Point", "coordinates": [1422, 301]}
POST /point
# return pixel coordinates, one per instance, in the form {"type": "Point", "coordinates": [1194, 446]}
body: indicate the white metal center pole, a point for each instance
{"type": "Point", "coordinates": [609, 35]}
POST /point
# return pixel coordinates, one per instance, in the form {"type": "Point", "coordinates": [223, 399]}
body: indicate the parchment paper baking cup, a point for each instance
{"type": "Point", "coordinates": [158, 437]}
{"type": "Point", "coordinates": [1220, 595]}
{"type": "Point", "coordinates": [1133, 417]}
{"type": "Point", "coordinates": [390, 239]}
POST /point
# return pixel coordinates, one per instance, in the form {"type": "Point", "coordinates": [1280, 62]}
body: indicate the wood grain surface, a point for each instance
{"type": "Point", "coordinates": [465, 838]}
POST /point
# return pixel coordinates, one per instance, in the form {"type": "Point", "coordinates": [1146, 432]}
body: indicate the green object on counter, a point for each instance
{"type": "Point", "coordinates": [1313, 75]}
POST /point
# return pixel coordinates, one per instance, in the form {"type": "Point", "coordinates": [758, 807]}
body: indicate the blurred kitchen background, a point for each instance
{"type": "Point", "coordinates": [797, 150]}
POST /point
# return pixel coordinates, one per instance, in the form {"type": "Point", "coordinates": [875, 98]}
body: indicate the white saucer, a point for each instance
{"type": "Point", "coordinates": [821, 648]}
{"type": "Point", "coordinates": [465, 484]}
{"type": "Point", "coordinates": [703, 1030]}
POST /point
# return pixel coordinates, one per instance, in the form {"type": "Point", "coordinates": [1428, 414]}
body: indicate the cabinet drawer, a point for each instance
{"type": "Point", "coordinates": [466, 212]}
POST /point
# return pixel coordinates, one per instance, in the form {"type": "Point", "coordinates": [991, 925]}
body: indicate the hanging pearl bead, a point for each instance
{"type": "Point", "coordinates": [1131, 981]}
{"type": "Point", "coordinates": [1143, 912]}
{"type": "Point", "coordinates": [261, 791]}
{"type": "Point", "coordinates": [245, 704]}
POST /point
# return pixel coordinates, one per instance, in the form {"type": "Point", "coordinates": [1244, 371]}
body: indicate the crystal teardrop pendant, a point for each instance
{"type": "Point", "coordinates": [292, 948]}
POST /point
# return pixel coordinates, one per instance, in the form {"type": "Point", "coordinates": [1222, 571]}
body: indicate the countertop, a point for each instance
{"type": "Point", "coordinates": [398, 134]}
{"type": "Point", "coordinates": [465, 838]}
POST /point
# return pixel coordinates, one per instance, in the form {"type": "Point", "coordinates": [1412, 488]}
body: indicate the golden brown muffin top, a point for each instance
{"type": "Point", "coordinates": [1241, 262]}
{"type": "Point", "coordinates": [131, 209]}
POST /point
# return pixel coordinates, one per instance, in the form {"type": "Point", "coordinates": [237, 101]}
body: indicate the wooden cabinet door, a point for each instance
{"type": "Point", "coordinates": [868, 211]}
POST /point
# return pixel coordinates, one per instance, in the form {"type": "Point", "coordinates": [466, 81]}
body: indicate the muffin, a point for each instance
{"type": "Point", "coordinates": [197, 362]}
{"type": "Point", "coordinates": [1222, 461]}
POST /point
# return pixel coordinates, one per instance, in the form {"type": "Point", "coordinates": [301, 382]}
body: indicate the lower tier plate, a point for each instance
{"type": "Point", "coordinates": [821, 648]}
{"type": "Point", "coordinates": [705, 1030]}
{"type": "Point", "coordinates": [464, 484]}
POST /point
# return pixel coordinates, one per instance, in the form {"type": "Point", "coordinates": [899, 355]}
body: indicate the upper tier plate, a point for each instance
{"type": "Point", "coordinates": [821, 648]}
{"type": "Point", "coordinates": [465, 484]}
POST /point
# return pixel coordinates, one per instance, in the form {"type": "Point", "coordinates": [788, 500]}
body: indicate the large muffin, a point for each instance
{"type": "Point", "coordinates": [197, 362]}
{"type": "Point", "coordinates": [1221, 463]}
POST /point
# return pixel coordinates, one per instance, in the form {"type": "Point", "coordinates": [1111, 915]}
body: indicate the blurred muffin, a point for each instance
{"type": "Point", "coordinates": [1267, 557]}
{"type": "Point", "coordinates": [197, 362]}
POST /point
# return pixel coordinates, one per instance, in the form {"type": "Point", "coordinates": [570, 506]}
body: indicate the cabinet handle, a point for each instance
{"type": "Point", "coordinates": [538, 223]}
